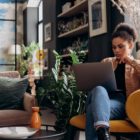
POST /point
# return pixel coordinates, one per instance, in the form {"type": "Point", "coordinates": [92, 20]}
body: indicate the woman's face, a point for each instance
{"type": "Point", "coordinates": [121, 47]}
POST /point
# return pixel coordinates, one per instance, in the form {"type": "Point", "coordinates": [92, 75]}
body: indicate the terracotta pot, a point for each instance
{"type": "Point", "coordinates": [35, 118]}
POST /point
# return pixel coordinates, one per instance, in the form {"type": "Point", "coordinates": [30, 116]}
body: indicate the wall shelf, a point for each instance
{"type": "Point", "coordinates": [68, 55]}
{"type": "Point", "coordinates": [80, 30]}
{"type": "Point", "coordinates": [75, 9]}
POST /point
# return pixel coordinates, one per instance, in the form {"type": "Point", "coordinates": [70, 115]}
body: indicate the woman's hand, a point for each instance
{"type": "Point", "coordinates": [126, 60]}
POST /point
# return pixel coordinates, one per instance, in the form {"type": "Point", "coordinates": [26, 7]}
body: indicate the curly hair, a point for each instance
{"type": "Point", "coordinates": [125, 31]}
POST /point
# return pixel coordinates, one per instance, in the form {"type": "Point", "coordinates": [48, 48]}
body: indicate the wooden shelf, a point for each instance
{"type": "Point", "coordinates": [80, 30]}
{"type": "Point", "coordinates": [75, 9]}
{"type": "Point", "coordinates": [67, 55]}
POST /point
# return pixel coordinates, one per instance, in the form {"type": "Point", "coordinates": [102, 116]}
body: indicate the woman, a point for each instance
{"type": "Point", "coordinates": [101, 106]}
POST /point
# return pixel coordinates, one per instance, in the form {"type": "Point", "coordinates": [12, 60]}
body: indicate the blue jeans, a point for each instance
{"type": "Point", "coordinates": [100, 108]}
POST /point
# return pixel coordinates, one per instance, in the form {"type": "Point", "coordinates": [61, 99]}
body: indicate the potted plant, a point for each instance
{"type": "Point", "coordinates": [61, 91]}
{"type": "Point", "coordinates": [26, 57]}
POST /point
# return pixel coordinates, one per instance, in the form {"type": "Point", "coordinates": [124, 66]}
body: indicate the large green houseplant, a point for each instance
{"type": "Point", "coordinates": [61, 91]}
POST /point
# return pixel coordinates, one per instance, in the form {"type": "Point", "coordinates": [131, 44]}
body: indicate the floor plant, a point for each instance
{"type": "Point", "coordinates": [60, 89]}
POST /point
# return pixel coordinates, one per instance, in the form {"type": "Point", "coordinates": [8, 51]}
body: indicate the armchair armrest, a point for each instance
{"type": "Point", "coordinates": [133, 107]}
{"type": "Point", "coordinates": [29, 102]}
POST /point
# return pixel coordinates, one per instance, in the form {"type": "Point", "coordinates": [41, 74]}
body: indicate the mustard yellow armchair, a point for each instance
{"type": "Point", "coordinates": [129, 127]}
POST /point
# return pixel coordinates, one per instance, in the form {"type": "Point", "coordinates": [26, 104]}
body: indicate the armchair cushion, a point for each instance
{"type": "Point", "coordinates": [12, 91]}
{"type": "Point", "coordinates": [133, 107]}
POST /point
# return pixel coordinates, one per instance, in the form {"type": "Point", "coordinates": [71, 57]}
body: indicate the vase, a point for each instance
{"type": "Point", "coordinates": [35, 118]}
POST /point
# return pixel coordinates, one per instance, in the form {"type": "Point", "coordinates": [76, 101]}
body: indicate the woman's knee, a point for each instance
{"type": "Point", "coordinates": [99, 90]}
{"type": "Point", "coordinates": [95, 93]}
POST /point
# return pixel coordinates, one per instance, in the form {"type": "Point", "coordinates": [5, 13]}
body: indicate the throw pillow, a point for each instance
{"type": "Point", "coordinates": [12, 91]}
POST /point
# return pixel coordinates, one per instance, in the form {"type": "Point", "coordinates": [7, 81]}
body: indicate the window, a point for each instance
{"type": "Point", "coordinates": [40, 24]}
{"type": "Point", "coordinates": [38, 60]}
{"type": "Point", "coordinates": [7, 34]}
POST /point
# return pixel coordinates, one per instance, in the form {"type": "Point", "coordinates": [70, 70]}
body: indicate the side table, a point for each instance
{"type": "Point", "coordinates": [44, 134]}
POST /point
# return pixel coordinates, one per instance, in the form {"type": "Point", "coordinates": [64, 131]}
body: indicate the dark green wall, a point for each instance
{"type": "Point", "coordinates": [99, 46]}
{"type": "Point", "coordinates": [49, 15]}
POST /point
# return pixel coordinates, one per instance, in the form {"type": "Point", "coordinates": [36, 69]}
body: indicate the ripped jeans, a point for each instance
{"type": "Point", "coordinates": [102, 107]}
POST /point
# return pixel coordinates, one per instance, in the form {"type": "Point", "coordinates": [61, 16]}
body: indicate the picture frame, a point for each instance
{"type": "Point", "coordinates": [97, 17]}
{"type": "Point", "coordinates": [48, 32]}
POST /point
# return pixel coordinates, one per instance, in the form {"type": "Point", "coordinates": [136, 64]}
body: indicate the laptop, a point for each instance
{"type": "Point", "coordinates": [89, 75]}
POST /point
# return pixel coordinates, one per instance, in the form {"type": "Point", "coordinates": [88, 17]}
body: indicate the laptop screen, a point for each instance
{"type": "Point", "coordinates": [89, 75]}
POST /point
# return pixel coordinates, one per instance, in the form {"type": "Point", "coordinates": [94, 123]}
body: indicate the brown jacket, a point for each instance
{"type": "Point", "coordinates": [132, 73]}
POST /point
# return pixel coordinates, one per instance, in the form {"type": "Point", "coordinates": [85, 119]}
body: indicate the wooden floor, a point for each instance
{"type": "Point", "coordinates": [49, 118]}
